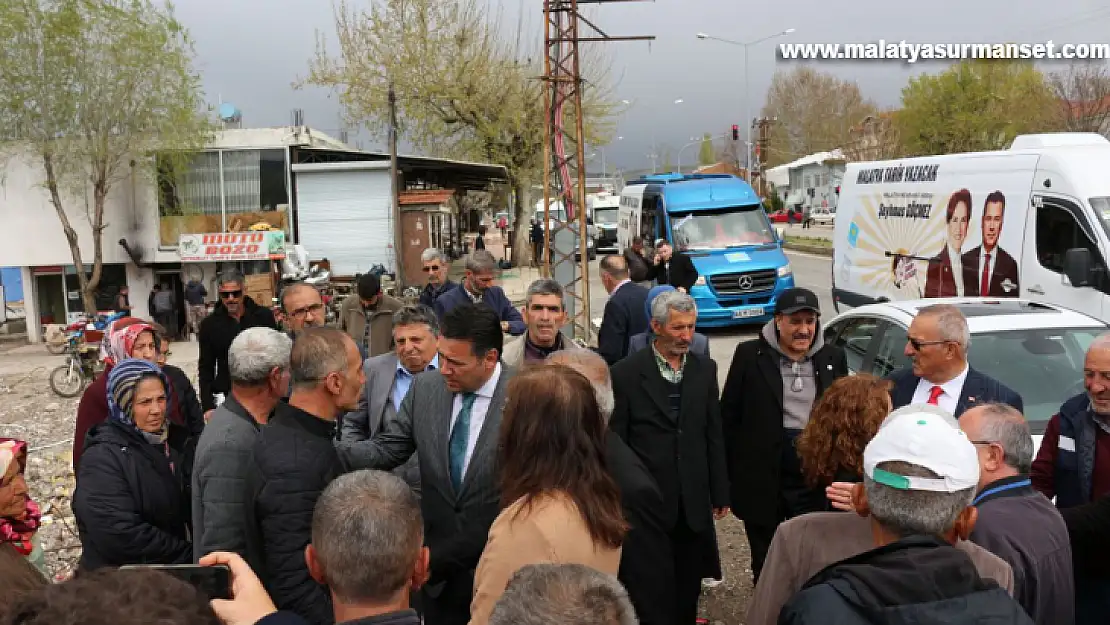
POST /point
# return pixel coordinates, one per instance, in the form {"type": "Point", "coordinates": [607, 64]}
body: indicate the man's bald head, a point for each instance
{"type": "Point", "coordinates": [595, 369]}
{"type": "Point", "coordinates": [614, 266]}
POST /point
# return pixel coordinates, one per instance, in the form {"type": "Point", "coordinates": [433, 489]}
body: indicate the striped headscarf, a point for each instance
{"type": "Point", "coordinates": [120, 339]}
{"type": "Point", "coordinates": [123, 379]}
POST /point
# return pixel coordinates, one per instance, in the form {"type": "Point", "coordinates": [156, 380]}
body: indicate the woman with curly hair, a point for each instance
{"type": "Point", "coordinates": [843, 421]}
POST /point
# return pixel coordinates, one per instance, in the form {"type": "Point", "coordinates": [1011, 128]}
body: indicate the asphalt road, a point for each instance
{"type": "Point", "coordinates": [811, 272]}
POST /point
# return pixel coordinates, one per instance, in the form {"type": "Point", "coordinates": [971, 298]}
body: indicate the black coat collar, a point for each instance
{"type": "Point", "coordinates": [294, 417]}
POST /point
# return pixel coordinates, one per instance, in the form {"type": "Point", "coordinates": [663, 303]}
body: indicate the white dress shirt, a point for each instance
{"type": "Point", "coordinates": [957, 270]}
{"type": "Point", "coordinates": [477, 413]}
{"type": "Point", "coordinates": [949, 398]}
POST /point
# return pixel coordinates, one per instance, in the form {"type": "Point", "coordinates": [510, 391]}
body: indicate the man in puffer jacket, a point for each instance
{"type": "Point", "coordinates": [920, 476]}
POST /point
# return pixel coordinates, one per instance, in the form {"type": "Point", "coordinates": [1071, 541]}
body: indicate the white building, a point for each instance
{"type": "Point", "coordinates": [318, 192]}
{"type": "Point", "coordinates": [811, 181]}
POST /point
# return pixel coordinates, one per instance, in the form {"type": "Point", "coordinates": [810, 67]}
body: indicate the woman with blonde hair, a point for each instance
{"type": "Point", "coordinates": [843, 421]}
{"type": "Point", "coordinates": [561, 505]}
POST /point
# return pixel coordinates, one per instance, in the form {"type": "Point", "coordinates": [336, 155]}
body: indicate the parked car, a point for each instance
{"type": "Point", "coordinates": [823, 216]}
{"type": "Point", "coordinates": [1034, 348]}
{"type": "Point", "coordinates": [787, 216]}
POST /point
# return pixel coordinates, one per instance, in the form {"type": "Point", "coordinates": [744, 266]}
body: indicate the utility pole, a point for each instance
{"type": "Point", "coordinates": [395, 194]}
{"type": "Point", "coordinates": [564, 177]}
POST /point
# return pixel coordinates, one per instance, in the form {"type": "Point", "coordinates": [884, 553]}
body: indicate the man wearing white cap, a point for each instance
{"type": "Point", "coordinates": [920, 477]}
{"type": "Point", "coordinates": [802, 548]}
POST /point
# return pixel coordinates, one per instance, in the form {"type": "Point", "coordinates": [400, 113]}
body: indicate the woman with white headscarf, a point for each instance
{"type": "Point", "coordinates": [131, 500]}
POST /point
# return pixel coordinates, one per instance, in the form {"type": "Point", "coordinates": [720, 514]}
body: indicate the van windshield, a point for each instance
{"type": "Point", "coordinates": [605, 216]}
{"type": "Point", "coordinates": [1102, 209]}
{"type": "Point", "coordinates": [736, 226]}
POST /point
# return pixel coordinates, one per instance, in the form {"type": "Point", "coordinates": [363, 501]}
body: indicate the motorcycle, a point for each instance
{"type": "Point", "coordinates": [81, 367]}
{"type": "Point", "coordinates": [78, 329]}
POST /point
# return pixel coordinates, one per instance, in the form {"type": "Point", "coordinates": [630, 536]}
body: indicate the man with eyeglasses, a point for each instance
{"type": "Point", "coordinates": [234, 313]}
{"type": "Point", "coordinates": [771, 387]}
{"type": "Point", "coordinates": [937, 342]}
{"type": "Point", "coordinates": [301, 307]}
{"type": "Point", "coordinates": [1015, 522]}
{"type": "Point", "coordinates": [435, 266]}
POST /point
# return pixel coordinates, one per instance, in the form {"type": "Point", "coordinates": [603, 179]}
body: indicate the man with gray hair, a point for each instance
{"type": "Point", "coordinates": [259, 361]}
{"type": "Point", "coordinates": [544, 315]}
{"type": "Point", "coordinates": [647, 565]}
{"type": "Point", "coordinates": [937, 342]}
{"type": "Point", "coordinates": [234, 313]}
{"type": "Point", "coordinates": [668, 412]}
{"type": "Point", "coordinates": [388, 379]}
{"type": "Point", "coordinates": [477, 287]}
{"type": "Point", "coordinates": [920, 477]}
{"type": "Point", "coordinates": [1016, 522]}
{"type": "Point", "coordinates": [367, 549]}
{"type": "Point", "coordinates": [1073, 466]}
{"type": "Point", "coordinates": [435, 265]}
{"type": "Point", "coordinates": [801, 547]}
{"type": "Point", "coordinates": [293, 462]}
{"type": "Point", "coordinates": [563, 594]}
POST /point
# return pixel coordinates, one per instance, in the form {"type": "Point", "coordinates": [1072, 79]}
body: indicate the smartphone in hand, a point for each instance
{"type": "Point", "coordinates": [213, 581]}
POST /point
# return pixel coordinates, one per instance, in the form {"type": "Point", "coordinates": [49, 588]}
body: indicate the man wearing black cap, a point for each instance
{"type": "Point", "coordinates": [367, 316]}
{"type": "Point", "coordinates": [772, 385]}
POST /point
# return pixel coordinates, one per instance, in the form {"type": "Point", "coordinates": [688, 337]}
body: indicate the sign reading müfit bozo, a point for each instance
{"type": "Point", "coordinates": [231, 246]}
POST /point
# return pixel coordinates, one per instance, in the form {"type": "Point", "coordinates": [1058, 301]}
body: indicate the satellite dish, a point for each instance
{"type": "Point", "coordinates": [229, 113]}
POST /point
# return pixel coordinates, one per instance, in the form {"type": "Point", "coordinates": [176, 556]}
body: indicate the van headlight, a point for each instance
{"type": "Point", "coordinates": [785, 270]}
{"type": "Point", "coordinates": [700, 281]}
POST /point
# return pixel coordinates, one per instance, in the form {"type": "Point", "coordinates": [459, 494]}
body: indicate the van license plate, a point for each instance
{"type": "Point", "coordinates": [747, 312]}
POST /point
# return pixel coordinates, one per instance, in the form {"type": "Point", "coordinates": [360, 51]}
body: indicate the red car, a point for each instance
{"type": "Point", "coordinates": [786, 216]}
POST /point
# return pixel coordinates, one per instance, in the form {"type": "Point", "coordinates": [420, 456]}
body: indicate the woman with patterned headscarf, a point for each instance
{"type": "Point", "coordinates": [21, 558]}
{"type": "Point", "coordinates": [132, 337]}
{"type": "Point", "coordinates": [131, 500]}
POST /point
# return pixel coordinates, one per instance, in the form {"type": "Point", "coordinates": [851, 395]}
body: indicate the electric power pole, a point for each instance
{"type": "Point", "coordinates": [395, 195]}
{"type": "Point", "coordinates": [761, 151]}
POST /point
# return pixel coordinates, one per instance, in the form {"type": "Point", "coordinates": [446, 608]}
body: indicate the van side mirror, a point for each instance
{"type": "Point", "coordinates": [1077, 266]}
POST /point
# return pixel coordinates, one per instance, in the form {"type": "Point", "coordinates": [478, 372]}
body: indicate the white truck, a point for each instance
{"type": "Point", "coordinates": [1032, 221]}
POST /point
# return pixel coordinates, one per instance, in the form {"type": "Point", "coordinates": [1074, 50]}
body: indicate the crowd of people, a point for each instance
{"type": "Point", "coordinates": [459, 461]}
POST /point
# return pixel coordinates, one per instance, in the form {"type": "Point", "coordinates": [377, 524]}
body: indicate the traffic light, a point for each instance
{"type": "Point", "coordinates": [735, 132]}
{"type": "Point", "coordinates": [838, 189]}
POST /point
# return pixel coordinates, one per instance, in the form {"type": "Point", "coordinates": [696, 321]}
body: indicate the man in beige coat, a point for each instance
{"type": "Point", "coordinates": [544, 314]}
{"type": "Point", "coordinates": [367, 316]}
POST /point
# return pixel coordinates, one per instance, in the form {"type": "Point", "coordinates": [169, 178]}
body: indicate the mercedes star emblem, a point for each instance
{"type": "Point", "coordinates": [745, 282]}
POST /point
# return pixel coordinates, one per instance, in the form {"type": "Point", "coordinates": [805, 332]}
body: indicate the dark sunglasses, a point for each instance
{"type": "Point", "coordinates": [918, 343]}
{"type": "Point", "coordinates": [230, 294]}
{"type": "Point", "coordinates": [431, 269]}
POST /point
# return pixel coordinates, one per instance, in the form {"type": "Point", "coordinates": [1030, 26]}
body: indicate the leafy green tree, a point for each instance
{"type": "Point", "coordinates": [465, 88]}
{"type": "Point", "coordinates": [974, 106]}
{"type": "Point", "coordinates": [707, 155]}
{"type": "Point", "coordinates": [90, 89]}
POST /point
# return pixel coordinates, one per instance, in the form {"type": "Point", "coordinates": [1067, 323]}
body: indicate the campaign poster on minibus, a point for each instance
{"type": "Point", "coordinates": [917, 232]}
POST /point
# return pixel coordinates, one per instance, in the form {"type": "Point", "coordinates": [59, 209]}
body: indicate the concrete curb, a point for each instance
{"type": "Point", "coordinates": [818, 250]}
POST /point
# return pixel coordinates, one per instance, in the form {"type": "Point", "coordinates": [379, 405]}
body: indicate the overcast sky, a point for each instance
{"type": "Point", "coordinates": [251, 50]}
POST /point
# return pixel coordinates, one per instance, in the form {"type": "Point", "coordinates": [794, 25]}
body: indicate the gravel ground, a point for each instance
{"type": "Point", "coordinates": [30, 411]}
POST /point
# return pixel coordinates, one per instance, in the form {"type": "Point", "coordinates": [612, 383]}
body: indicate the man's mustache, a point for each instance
{"type": "Point", "coordinates": [798, 336]}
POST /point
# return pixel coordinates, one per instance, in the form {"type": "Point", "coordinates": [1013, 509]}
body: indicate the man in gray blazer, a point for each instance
{"type": "Point", "coordinates": [258, 364]}
{"type": "Point", "coordinates": [388, 379]}
{"type": "Point", "coordinates": [450, 419]}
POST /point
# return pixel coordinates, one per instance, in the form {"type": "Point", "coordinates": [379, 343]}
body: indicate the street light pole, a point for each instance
{"type": "Point", "coordinates": [747, 96]}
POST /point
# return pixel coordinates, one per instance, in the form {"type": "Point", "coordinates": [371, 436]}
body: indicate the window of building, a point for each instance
{"type": "Point", "coordinates": [194, 198]}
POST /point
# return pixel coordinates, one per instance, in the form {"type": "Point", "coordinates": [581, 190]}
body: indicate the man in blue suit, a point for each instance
{"type": "Point", "coordinates": [937, 343]}
{"type": "Point", "coordinates": [477, 287]}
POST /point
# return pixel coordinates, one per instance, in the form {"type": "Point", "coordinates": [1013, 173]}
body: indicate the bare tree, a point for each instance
{"type": "Point", "coordinates": [875, 138]}
{"type": "Point", "coordinates": [1083, 90]}
{"type": "Point", "coordinates": [815, 112]}
{"type": "Point", "coordinates": [465, 88]}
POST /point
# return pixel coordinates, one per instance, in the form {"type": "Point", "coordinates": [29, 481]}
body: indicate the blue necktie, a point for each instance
{"type": "Point", "coordinates": [459, 436]}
